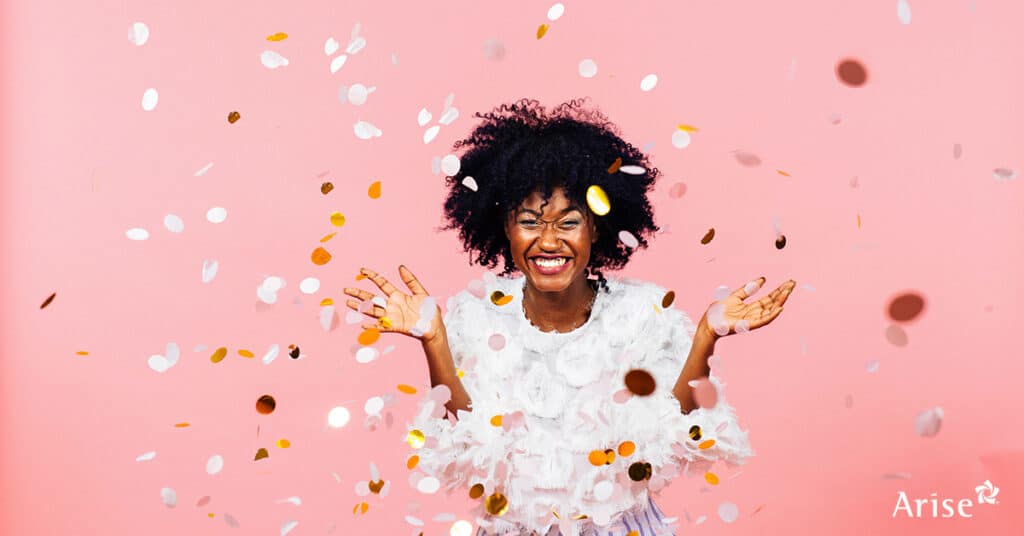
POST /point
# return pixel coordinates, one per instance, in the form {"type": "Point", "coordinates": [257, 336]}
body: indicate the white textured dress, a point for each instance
{"type": "Point", "coordinates": [556, 393]}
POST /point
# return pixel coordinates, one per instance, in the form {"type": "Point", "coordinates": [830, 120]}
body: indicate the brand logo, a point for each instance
{"type": "Point", "coordinates": [930, 506]}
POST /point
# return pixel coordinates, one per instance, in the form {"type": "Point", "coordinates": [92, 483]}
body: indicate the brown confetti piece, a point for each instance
{"type": "Point", "coordinates": [326, 188]}
{"type": "Point", "coordinates": [496, 420]}
{"type": "Point", "coordinates": [266, 404]}
{"type": "Point", "coordinates": [906, 307]}
{"type": "Point", "coordinates": [246, 354]}
{"type": "Point", "coordinates": [780, 242]}
{"type": "Point", "coordinates": [219, 355]}
{"type": "Point", "coordinates": [687, 128]}
{"type": "Point", "coordinates": [283, 443]}
{"type": "Point", "coordinates": [640, 382]}
{"type": "Point", "coordinates": [695, 433]}
{"type": "Point", "coordinates": [500, 298]}
{"type": "Point", "coordinates": [476, 491]}
{"type": "Point", "coordinates": [639, 471]}
{"type": "Point", "coordinates": [376, 486]}
{"type": "Point", "coordinates": [369, 336]}
{"type": "Point", "coordinates": [758, 509]}
{"type": "Point", "coordinates": [328, 237]}
{"type": "Point", "coordinates": [415, 439]}
{"type": "Point", "coordinates": [708, 236]}
{"type": "Point", "coordinates": [326, 301]}
{"type": "Point", "coordinates": [541, 30]}
{"type": "Point", "coordinates": [279, 36]}
{"type": "Point", "coordinates": [234, 116]}
{"type": "Point", "coordinates": [497, 504]}
{"type": "Point", "coordinates": [667, 300]}
{"type": "Point", "coordinates": [609, 455]}
{"type": "Point", "coordinates": [48, 300]}
{"type": "Point", "coordinates": [851, 72]}
{"type": "Point", "coordinates": [597, 457]}
{"type": "Point", "coordinates": [412, 462]}
{"type": "Point", "coordinates": [407, 389]}
{"type": "Point", "coordinates": [783, 173]}
{"type": "Point", "coordinates": [337, 219]}
{"type": "Point", "coordinates": [706, 444]}
{"type": "Point", "coordinates": [374, 190]}
{"type": "Point", "coordinates": [626, 448]}
{"type": "Point", "coordinates": [294, 351]}
{"type": "Point", "coordinates": [615, 165]}
{"type": "Point", "coordinates": [82, 352]}
{"type": "Point", "coordinates": [711, 478]}
{"type": "Point", "coordinates": [181, 425]}
{"type": "Point", "coordinates": [320, 256]}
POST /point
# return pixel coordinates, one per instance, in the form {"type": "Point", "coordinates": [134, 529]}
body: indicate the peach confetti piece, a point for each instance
{"type": "Point", "coordinates": [374, 190]}
{"type": "Point", "coordinates": [541, 30]}
{"type": "Point", "coordinates": [320, 256]}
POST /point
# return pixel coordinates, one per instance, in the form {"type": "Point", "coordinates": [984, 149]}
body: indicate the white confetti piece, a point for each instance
{"type": "Point", "coordinates": [355, 45]}
{"type": "Point", "coordinates": [331, 46]}
{"type": "Point", "coordinates": [728, 511]}
{"type": "Point", "coordinates": [137, 233]}
{"type": "Point", "coordinates": [272, 60]}
{"type": "Point", "coordinates": [338, 62]}
{"type": "Point", "coordinates": [149, 99]}
{"type": "Point", "coordinates": [588, 68]}
{"type": "Point", "coordinates": [145, 457]}
{"type": "Point", "coordinates": [628, 239]}
{"type": "Point", "coordinates": [169, 497]}
{"type": "Point", "coordinates": [414, 521]}
{"type": "Point", "coordinates": [173, 223]}
{"type": "Point", "coordinates": [449, 115]}
{"type": "Point", "coordinates": [872, 366]}
{"type": "Point", "coordinates": [469, 182]}
{"type": "Point", "coordinates": [428, 485]}
{"type": "Point", "coordinates": [328, 318]}
{"type": "Point", "coordinates": [338, 417]}
{"type": "Point", "coordinates": [287, 527]}
{"type": "Point", "coordinates": [215, 464]}
{"type": "Point", "coordinates": [309, 285]}
{"type": "Point", "coordinates": [217, 214]}
{"type": "Point", "coordinates": [209, 270]}
{"type": "Point", "coordinates": [680, 139]}
{"type": "Point", "coordinates": [374, 405]}
{"type": "Point", "coordinates": [633, 170]}
{"type": "Point", "coordinates": [367, 354]}
{"type": "Point", "coordinates": [273, 283]}
{"type": "Point", "coordinates": [139, 33]}
{"type": "Point", "coordinates": [461, 528]}
{"type": "Point", "coordinates": [431, 133]}
{"type": "Point", "coordinates": [266, 296]}
{"type": "Point", "coordinates": [353, 317]}
{"type": "Point", "coordinates": [435, 165]}
{"type": "Point", "coordinates": [450, 165]}
{"type": "Point", "coordinates": [556, 11]}
{"type": "Point", "coordinates": [649, 82]}
{"type": "Point", "coordinates": [202, 171]}
{"type": "Point", "coordinates": [365, 130]}
{"type": "Point", "coordinates": [423, 117]}
{"type": "Point", "coordinates": [292, 500]}
{"type": "Point", "coordinates": [903, 11]}
{"type": "Point", "coordinates": [929, 422]}
{"type": "Point", "coordinates": [448, 102]}
{"type": "Point", "coordinates": [603, 490]}
{"type": "Point", "coordinates": [271, 354]}
{"type": "Point", "coordinates": [357, 94]}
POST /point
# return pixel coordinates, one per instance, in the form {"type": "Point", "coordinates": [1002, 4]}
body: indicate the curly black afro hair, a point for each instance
{"type": "Point", "coordinates": [520, 148]}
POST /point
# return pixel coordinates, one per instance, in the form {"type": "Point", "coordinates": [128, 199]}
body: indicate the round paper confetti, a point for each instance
{"type": "Point", "coordinates": [273, 283]}
{"type": "Point", "coordinates": [357, 94]}
{"type": "Point", "coordinates": [639, 382]}
{"type": "Point", "coordinates": [929, 422]}
{"type": "Point", "coordinates": [138, 33]}
{"type": "Point", "coordinates": [373, 405]}
{"type": "Point", "coordinates": [365, 130]}
{"type": "Point", "coordinates": [272, 60]}
{"type": "Point", "coordinates": [496, 341]}
{"type": "Point", "coordinates": [374, 191]}
{"type": "Point", "coordinates": [851, 72]}
{"type": "Point", "coordinates": [597, 200]}
{"type": "Point", "coordinates": [728, 511]}
{"type": "Point", "coordinates": [461, 528]}
{"type": "Point", "coordinates": [628, 239]}
{"type": "Point", "coordinates": [174, 223]}
{"type": "Point", "coordinates": [169, 497]}
{"type": "Point", "coordinates": [137, 234]}
{"type": "Point", "coordinates": [217, 214]}
{"type": "Point", "coordinates": [338, 62]}
{"type": "Point", "coordinates": [895, 335]}
{"type": "Point", "coordinates": [747, 159]}
{"type": "Point", "coordinates": [338, 417]}
{"type": "Point", "coordinates": [309, 285]}
{"type": "Point", "coordinates": [450, 165]}
{"type": "Point", "coordinates": [266, 404]}
{"type": "Point", "coordinates": [603, 490]}
{"type": "Point", "coordinates": [903, 11]}
{"type": "Point", "coordinates": [214, 464]}
{"type": "Point", "coordinates": [1004, 174]}
{"type": "Point", "coordinates": [320, 256]}
{"type": "Point", "coordinates": [494, 50]}
{"type": "Point", "coordinates": [649, 82]}
{"type": "Point", "coordinates": [283, 443]}
{"type": "Point", "coordinates": [469, 182]}
{"type": "Point", "coordinates": [149, 99]}
{"type": "Point", "coordinates": [428, 485]}
{"type": "Point", "coordinates": [906, 307]}
{"type": "Point", "coordinates": [588, 68]}
{"type": "Point", "coordinates": [556, 11]}
{"type": "Point", "coordinates": [680, 139]}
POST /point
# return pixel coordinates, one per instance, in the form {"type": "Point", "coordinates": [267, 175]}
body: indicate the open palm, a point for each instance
{"type": "Point", "coordinates": [416, 315]}
{"type": "Point", "coordinates": [733, 315]}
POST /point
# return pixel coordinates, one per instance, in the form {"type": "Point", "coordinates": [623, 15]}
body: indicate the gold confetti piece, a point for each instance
{"type": "Point", "coordinates": [609, 455]}
{"type": "Point", "coordinates": [355, 509]}
{"type": "Point", "coordinates": [695, 433]}
{"type": "Point", "coordinates": [337, 219]}
{"type": "Point", "coordinates": [415, 439]}
{"type": "Point", "coordinates": [858, 221]}
{"type": "Point", "coordinates": [294, 351]}
{"type": "Point", "coordinates": [497, 504]}
{"type": "Point", "coordinates": [261, 453]}
{"type": "Point", "coordinates": [374, 190]}
{"type": "Point", "coordinates": [181, 425]}
{"type": "Point", "coordinates": [363, 507]}
{"type": "Point", "coordinates": [780, 242]}
{"type": "Point", "coordinates": [667, 300]}
{"type": "Point", "coordinates": [376, 486]}
{"type": "Point", "coordinates": [219, 355]}
{"type": "Point", "coordinates": [783, 173]}
{"type": "Point", "coordinates": [234, 116]}
{"type": "Point", "coordinates": [407, 389]}
{"type": "Point", "coordinates": [708, 236]}
{"type": "Point", "coordinates": [82, 352]}
{"type": "Point", "coordinates": [541, 30]}
{"type": "Point", "coordinates": [412, 462]}
{"type": "Point", "coordinates": [283, 443]}
{"type": "Point", "coordinates": [626, 448]}
{"type": "Point", "coordinates": [687, 128]}
{"type": "Point", "coordinates": [326, 301]}
{"type": "Point", "coordinates": [369, 336]}
{"type": "Point", "coordinates": [328, 237]}
{"type": "Point", "coordinates": [360, 277]}
{"type": "Point", "coordinates": [320, 256]}
{"type": "Point", "coordinates": [615, 165]}
{"type": "Point", "coordinates": [633, 533]}
{"type": "Point", "coordinates": [476, 491]}
{"type": "Point", "coordinates": [459, 373]}
{"type": "Point", "coordinates": [597, 458]}
{"type": "Point", "coordinates": [279, 36]}
{"type": "Point", "coordinates": [210, 515]}
{"type": "Point", "coordinates": [500, 298]}
{"type": "Point", "coordinates": [711, 478]}
{"type": "Point", "coordinates": [555, 514]}
{"type": "Point", "coordinates": [639, 471]}
{"type": "Point", "coordinates": [579, 516]}
{"type": "Point", "coordinates": [496, 420]}
{"type": "Point", "coordinates": [706, 444]}
{"type": "Point", "coordinates": [48, 300]}
{"type": "Point", "coordinates": [640, 382]}
{"type": "Point", "coordinates": [326, 188]}
{"type": "Point", "coordinates": [386, 322]}
{"type": "Point", "coordinates": [597, 200]}
{"type": "Point", "coordinates": [246, 353]}
{"type": "Point", "coordinates": [266, 404]}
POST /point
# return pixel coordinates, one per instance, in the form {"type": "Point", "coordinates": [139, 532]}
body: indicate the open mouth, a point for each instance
{"type": "Point", "coordinates": [550, 265]}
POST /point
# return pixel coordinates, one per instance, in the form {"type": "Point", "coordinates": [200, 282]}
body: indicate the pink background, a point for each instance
{"type": "Point", "coordinates": [83, 163]}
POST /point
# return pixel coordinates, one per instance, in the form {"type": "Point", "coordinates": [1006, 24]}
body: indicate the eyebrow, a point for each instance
{"type": "Point", "coordinates": [565, 210]}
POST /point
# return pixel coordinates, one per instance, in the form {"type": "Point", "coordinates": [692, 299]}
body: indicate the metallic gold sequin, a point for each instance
{"type": "Point", "coordinates": [326, 188]}
{"type": "Point", "coordinates": [476, 491]}
{"type": "Point", "coordinates": [597, 200]}
{"type": "Point", "coordinates": [219, 355]}
{"type": "Point", "coordinates": [415, 439]}
{"type": "Point", "coordinates": [266, 404]}
{"type": "Point", "coordinates": [497, 504]}
{"type": "Point", "coordinates": [695, 433]}
{"type": "Point", "coordinates": [337, 219]}
{"type": "Point", "coordinates": [500, 298]}
{"type": "Point", "coordinates": [234, 116]}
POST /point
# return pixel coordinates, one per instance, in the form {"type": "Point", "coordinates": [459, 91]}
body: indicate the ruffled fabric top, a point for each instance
{"type": "Point", "coordinates": [560, 398]}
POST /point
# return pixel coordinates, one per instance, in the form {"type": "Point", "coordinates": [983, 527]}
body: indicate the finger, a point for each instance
{"type": "Point", "coordinates": [750, 287]}
{"type": "Point", "coordinates": [375, 325]}
{"type": "Point", "coordinates": [784, 295]}
{"type": "Point", "coordinates": [411, 281]}
{"type": "Point", "coordinates": [376, 312]}
{"type": "Point", "coordinates": [379, 280]}
{"type": "Point", "coordinates": [359, 293]}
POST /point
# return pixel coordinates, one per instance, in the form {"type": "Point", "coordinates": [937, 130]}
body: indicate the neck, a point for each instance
{"type": "Point", "coordinates": [562, 310]}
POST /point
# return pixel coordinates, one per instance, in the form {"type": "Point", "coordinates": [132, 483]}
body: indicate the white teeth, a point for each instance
{"type": "Point", "coordinates": [550, 263]}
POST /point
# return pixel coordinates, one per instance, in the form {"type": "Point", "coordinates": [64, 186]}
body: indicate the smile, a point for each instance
{"type": "Point", "coordinates": [549, 266]}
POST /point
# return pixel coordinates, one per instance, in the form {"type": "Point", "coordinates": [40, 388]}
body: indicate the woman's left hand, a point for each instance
{"type": "Point", "coordinates": [732, 315]}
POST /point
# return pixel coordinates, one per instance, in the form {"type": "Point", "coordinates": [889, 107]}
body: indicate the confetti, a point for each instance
{"type": "Point", "coordinates": [496, 341]}
{"type": "Point", "coordinates": [728, 511]}
{"type": "Point", "coordinates": [266, 404]}
{"type": "Point", "coordinates": [234, 116]}
{"type": "Point", "coordinates": [326, 188]}
{"type": "Point", "coordinates": [461, 528]}
{"type": "Point", "coordinates": [587, 68]}
{"type": "Point", "coordinates": [628, 239]}
{"type": "Point", "coordinates": [667, 299]}
{"type": "Point", "coordinates": [626, 448]}
{"type": "Point", "coordinates": [369, 336]}
{"type": "Point", "coordinates": [639, 382]}
{"type": "Point", "coordinates": [680, 139]}
{"type": "Point", "coordinates": [906, 307]}
{"type": "Point", "coordinates": [174, 223]}
{"type": "Point", "coordinates": [783, 173]}
{"type": "Point", "coordinates": [649, 82]}
{"type": "Point", "coordinates": [851, 72]}
{"type": "Point", "coordinates": [639, 471]}
{"type": "Point", "coordinates": [246, 354]}
{"type": "Point", "coordinates": [414, 460]}
{"type": "Point", "coordinates": [678, 190]}
{"type": "Point", "coordinates": [271, 354]}
{"type": "Point", "coordinates": [895, 335]}
{"type": "Point", "coordinates": [469, 182]}
{"type": "Point", "coordinates": [708, 236]}
{"type": "Point", "coordinates": [215, 464]}
{"type": "Point", "coordinates": [279, 36]}
{"type": "Point", "coordinates": [494, 50]}
{"type": "Point", "coordinates": [219, 355]}
{"type": "Point", "coordinates": [293, 352]}
{"type": "Point", "coordinates": [365, 130]}
{"type": "Point", "coordinates": [169, 497]}
{"type": "Point", "coordinates": [476, 491]}
{"type": "Point", "coordinates": [149, 99]}
{"type": "Point", "coordinates": [337, 219]}
{"type": "Point", "coordinates": [903, 11]}
{"type": "Point", "coordinates": [633, 170]}
{"type": "Point", "coordinates": [556, 11]}
{"type": "Point", "coordinates": [373, 405]}
{"type": "Point", "coordinates": [138, 33]}
{"type": "Point", "coordinates": [928, 422]}
{"type": "Point", "coordinates": [231, 521]}
{"type": "Point", "coordinates": [872, 366]}
{"type": "Point", "coordinates": [500, 298]}
{"type": "Point", "coordinates": [597, 200]}
{"type": "Point", "coordinates": [48, 300]}
{"type": "Point", "coordinates": [450, 165]}
{"type": "Point", "coordinates": [338, 62]}
{"type": "Point", "coordinates": [747, 159]}
{"type": "Point", "coordinates": [415, 439]}
{"type": "Point", "coordinates": [287, 527]}
{"type": "Point", "coordinates": [430, 134]}
{"type": "Point", "coordinates": [145, 457]}
{"type": "Point", "coordinates": [541, 30]}
{"type": "Point", "coordinates": [615, 166]}
{"type": "Point", "coordinates": [217, 214]}
{"type": "Point", "coordinates": [261, 453]}
{"type": "Point", "coordinates": [320, 256]}
{"type": "Point", "coordinates": [496, 504]}
{"type": "Point", "coordinates": [202, 171]}
{"type": "Point", "coordinates": [780, 242]}
{"type": "Point", "coordinates": [81, 352]}
{"type": "Point", "coordinates": [338, 417]}
{"type": "Point", "coordinates": [374, 190]}
{"type": "Point", "coordinates": [358, 93]}
{"type": "Point", "coordinates": [272, 60]}
{"type": "Point", "coordinates": [449, 116]}
{"type": "Point", "coordinates": [706, 444]}
{"type": "Point", "coordinates": [283, 443]}
{"type": "Point", "coordinates": [1004, 174]}
{"type": "Point", "coordinates": [331, 46]}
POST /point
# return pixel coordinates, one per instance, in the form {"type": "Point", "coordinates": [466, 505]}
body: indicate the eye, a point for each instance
{"type": "Point", "coordinates": [528, 223]}
{"type": "Point", "coordinates": [570, 224]}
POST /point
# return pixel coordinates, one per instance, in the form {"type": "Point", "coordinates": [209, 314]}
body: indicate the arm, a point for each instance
{"type": "Point", "coordinates": [442, 370]}
{"type": "Point", "coordinates": [696, 365]}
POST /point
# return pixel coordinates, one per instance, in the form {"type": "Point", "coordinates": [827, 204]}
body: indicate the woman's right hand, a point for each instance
{"type": "Point", "coordinates": [402, 311]}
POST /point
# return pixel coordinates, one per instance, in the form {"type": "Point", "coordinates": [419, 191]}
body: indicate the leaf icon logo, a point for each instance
{"type": "Point", "coordinates": [987, 493]}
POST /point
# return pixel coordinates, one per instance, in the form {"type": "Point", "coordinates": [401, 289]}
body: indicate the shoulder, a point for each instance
{"type": "Point", "coordinates": [642, 304]}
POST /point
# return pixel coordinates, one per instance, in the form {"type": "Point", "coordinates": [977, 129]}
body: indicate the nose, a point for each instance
{"type": "Point", "coordinates": [549, 238]}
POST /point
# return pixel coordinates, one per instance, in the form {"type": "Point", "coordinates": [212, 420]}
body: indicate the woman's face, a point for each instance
{"type": "Point", "coordinates": [564, 240]}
